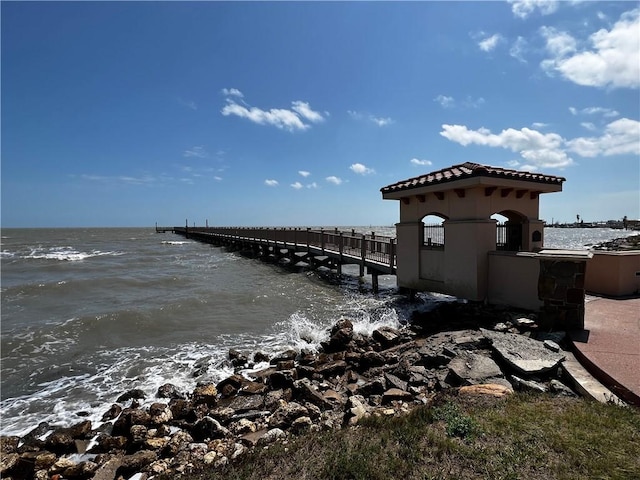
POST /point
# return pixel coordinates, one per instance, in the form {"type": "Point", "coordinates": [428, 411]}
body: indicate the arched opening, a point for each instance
{"type": "Point", "coordinates": [433, 231]}
{"type": "Point", "coordinates": [509, 230]}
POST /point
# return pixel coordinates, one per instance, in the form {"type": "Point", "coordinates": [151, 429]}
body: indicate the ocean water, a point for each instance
{"type": "Point", "coordinates": [88, 314]}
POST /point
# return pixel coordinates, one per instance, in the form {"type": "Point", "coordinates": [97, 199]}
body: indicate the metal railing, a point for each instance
{"type": "Point", "coordinates": [434, 237]}
{"type": "Point", "coordinates": [375, 248]}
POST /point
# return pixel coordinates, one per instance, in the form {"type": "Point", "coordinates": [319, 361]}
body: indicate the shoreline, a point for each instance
{"type": "Point", "coordinates": [351, 377]}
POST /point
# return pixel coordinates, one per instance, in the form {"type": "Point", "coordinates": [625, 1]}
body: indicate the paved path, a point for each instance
{"type": "Point", "coordinates": [610, 344]}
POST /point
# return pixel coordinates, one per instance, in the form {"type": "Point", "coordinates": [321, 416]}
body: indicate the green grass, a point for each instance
{"type": "Point", "coordinates": [521, 437]}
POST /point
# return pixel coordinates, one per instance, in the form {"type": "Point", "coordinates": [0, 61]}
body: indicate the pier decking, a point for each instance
{"type": "Point", "coordinates": [375, 255]}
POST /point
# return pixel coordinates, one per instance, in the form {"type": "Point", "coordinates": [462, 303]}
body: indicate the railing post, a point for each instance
{"type": "Point", "coordinates": [392, 254]}
{"type": "Point", "coordinates": [341, 246]}
{"type": "Point", "coordinates": [363, 254]}
{"type": "Point", "coordinates": [308, 236]}
{"type": "Point", "coordinates": [322, 240]}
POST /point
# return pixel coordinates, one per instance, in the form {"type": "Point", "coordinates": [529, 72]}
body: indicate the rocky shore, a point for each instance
{"type": "Point", "coordinates": [626, 243]}
{"type": "Point", "coordinates": [475, 349]}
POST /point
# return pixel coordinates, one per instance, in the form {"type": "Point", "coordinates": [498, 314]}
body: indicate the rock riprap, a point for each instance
{"type": "Point", "coordinates": [350, 378]}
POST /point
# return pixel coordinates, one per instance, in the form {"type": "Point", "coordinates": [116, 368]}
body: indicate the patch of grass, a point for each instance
{"type": "Point", "coordinates": [523, 437]}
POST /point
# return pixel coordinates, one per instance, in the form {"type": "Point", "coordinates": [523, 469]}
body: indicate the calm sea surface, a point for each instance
{"type": "Point", "coordinates": [90, 313]}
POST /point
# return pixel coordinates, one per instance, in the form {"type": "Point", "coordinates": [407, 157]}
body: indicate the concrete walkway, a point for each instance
{"type": "Point", "coordinates": [609, 346]}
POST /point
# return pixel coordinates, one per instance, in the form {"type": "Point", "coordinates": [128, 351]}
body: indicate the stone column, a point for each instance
{"type": "Point", "coordinates": [561, 288]}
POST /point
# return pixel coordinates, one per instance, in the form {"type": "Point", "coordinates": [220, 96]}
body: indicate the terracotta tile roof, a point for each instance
{"type": "Point", "coordinates": [469, 170]}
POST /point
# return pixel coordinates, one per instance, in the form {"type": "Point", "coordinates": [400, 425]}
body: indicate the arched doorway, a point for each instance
{"type": "Point", "coordinates": [433, 231]}
{"type": "Point", "coordinates": [509, 230]}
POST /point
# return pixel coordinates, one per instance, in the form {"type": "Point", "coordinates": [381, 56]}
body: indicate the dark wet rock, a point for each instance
{"type": "Point", "coordinates": [8, 462]}
{"type": "Point", "coordinates": [9, 444]}
{"type": "Point", "coordinates": [332, 368]}
{"type": "Point", "coordinates": [107, 443]}
{"type": "Point", "coordinates": [136, 462]}
{"type": "Point", "coordinates": [305, 390]}
{"type": "Point", "coordinates": [260, 357]}
{"type": "Point", "coordinates": [284, 416]}
{"type": "Point", "coordinates": [230, 385]}
{"type": "Point", "coordinates": [135, 393]}
{"type": "Point", "coordinates": [339, 336]}
{"type": "Point", "coordinates": [376, 386]}
{"type": "Point", "coordinates": [371, 359]}
{"type": "Point", "coordinates": [286, 355]}
{"type": "Point", "coordinates": [44, 460]}
{"type": "Point", "coordinates": [160, 413]}
{"type": "Point", "coordinates": [205, 393]}
{"type": "Point", "coordinates": [286, 365]}
{"type": "Point", "coordinates": [281, 379]}
{"type": "Point", "coordinates": [180, 408]}
{"type": "Point", "coordinates": [395, 382]}
{"type": "Point", "coordinates": [169, 391]}
{"type": "Point", "coordinates": [237, 358]}
{"type": "Point", "coordinates": [208, 429]}
{"type": "Point", "coordinates": [386, 336]}
{"type": "Point", "coordinates": [201, 367]}
{"type": "Point", "coordinates": [81, 470]}
{"type": "Point", "coordinates": [253, 388]}
{"type": "Point", "coordinates": [395, 394]}
{"type": "Point", "coordinates": [112, 413]}
{"type": "Point", "coordinates": [524, 354]}
{"type": "Point", "coordinates": [179, 441]}
{"type": "Point", "coordinates": [60, 442]}
{"type": "Point", "coordinates": [244, 403]}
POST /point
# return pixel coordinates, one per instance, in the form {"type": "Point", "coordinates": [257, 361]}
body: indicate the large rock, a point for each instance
{"type": "Point", "coordinates": [472, 368]}
{"type": "Point", "coordinates": [524, 354]}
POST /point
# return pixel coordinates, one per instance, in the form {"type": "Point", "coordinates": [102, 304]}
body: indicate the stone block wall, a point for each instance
{"type": "Point", "coordinates": [561, 289]}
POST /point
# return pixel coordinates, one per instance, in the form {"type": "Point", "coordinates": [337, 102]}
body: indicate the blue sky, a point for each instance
{"type": "Point", "coordinates": [127, 114]}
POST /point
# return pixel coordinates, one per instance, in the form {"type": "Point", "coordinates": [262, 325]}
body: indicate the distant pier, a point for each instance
{"type": "Point", "coordinates": [374, 254]}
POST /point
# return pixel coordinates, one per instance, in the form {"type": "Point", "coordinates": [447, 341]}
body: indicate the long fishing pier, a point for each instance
{"type": "Point", "coordinates": [375, 255]}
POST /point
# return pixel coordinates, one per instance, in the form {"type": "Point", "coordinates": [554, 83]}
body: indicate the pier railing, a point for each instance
{"type": "Point", "coordinates": [367, 247]}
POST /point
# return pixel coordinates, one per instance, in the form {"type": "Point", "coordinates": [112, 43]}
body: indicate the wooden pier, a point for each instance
{"type": "Point", "coordinates": [375, 255]}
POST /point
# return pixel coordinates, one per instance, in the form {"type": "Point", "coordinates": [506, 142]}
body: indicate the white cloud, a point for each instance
{"type": "Point", "coordinates": [550, 150]}
{"type": "Point", "coordinates": [421, 163]}
{"type": "Point", "coordinates": [605, 112]}
{"type": "Point", "coordinates": [361, 169]}
{"type": "Point", "coordinates": [232, 92]}
{"type": "Point", "coordinates": [198, 152]}
{"type": "Point", "coordinates": [490, 43]}
{"type": "Point", "coordinates": [312, 185]}
{"type": "Point", "coordinates": [524, 8]}
{"type": "Point", "coordinates": [450, 102]}
{"type": "Point", "coordinates": [379, 121]}
{"type": "Point", "coordinates": [303, 109]}
{"type": "Point", "coordinates": [612, 61]}
{"type": "Point", "coordinates": [188, 103]}
{"type": "Point", "coordinates": [559, 44]}
{"type": "Point", "coordinates": [620, 137]}
{"type": "Point", "coordinates": [518, 49]}
{"type": "Point", "coordinates": [333, 179]}
{"type": "Point", "coordinates": [444, 101]}
{"type": "Point", "coordinates": [588, 126]}
{"type": "Point", "coordinates": [542, 150]}
{"type": "Point", "coordinates": [539, 125]}
{"type": "Point", "coordinates": [296, 185]}
{"type": "Point", "coordinates": [271, 183]}
{"type": "Point", "coordinates": [218, 179]}
{"type": "Point", "coordinates": [282, 118]}
{"type": "Point", "coordinates": [304, 173]}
